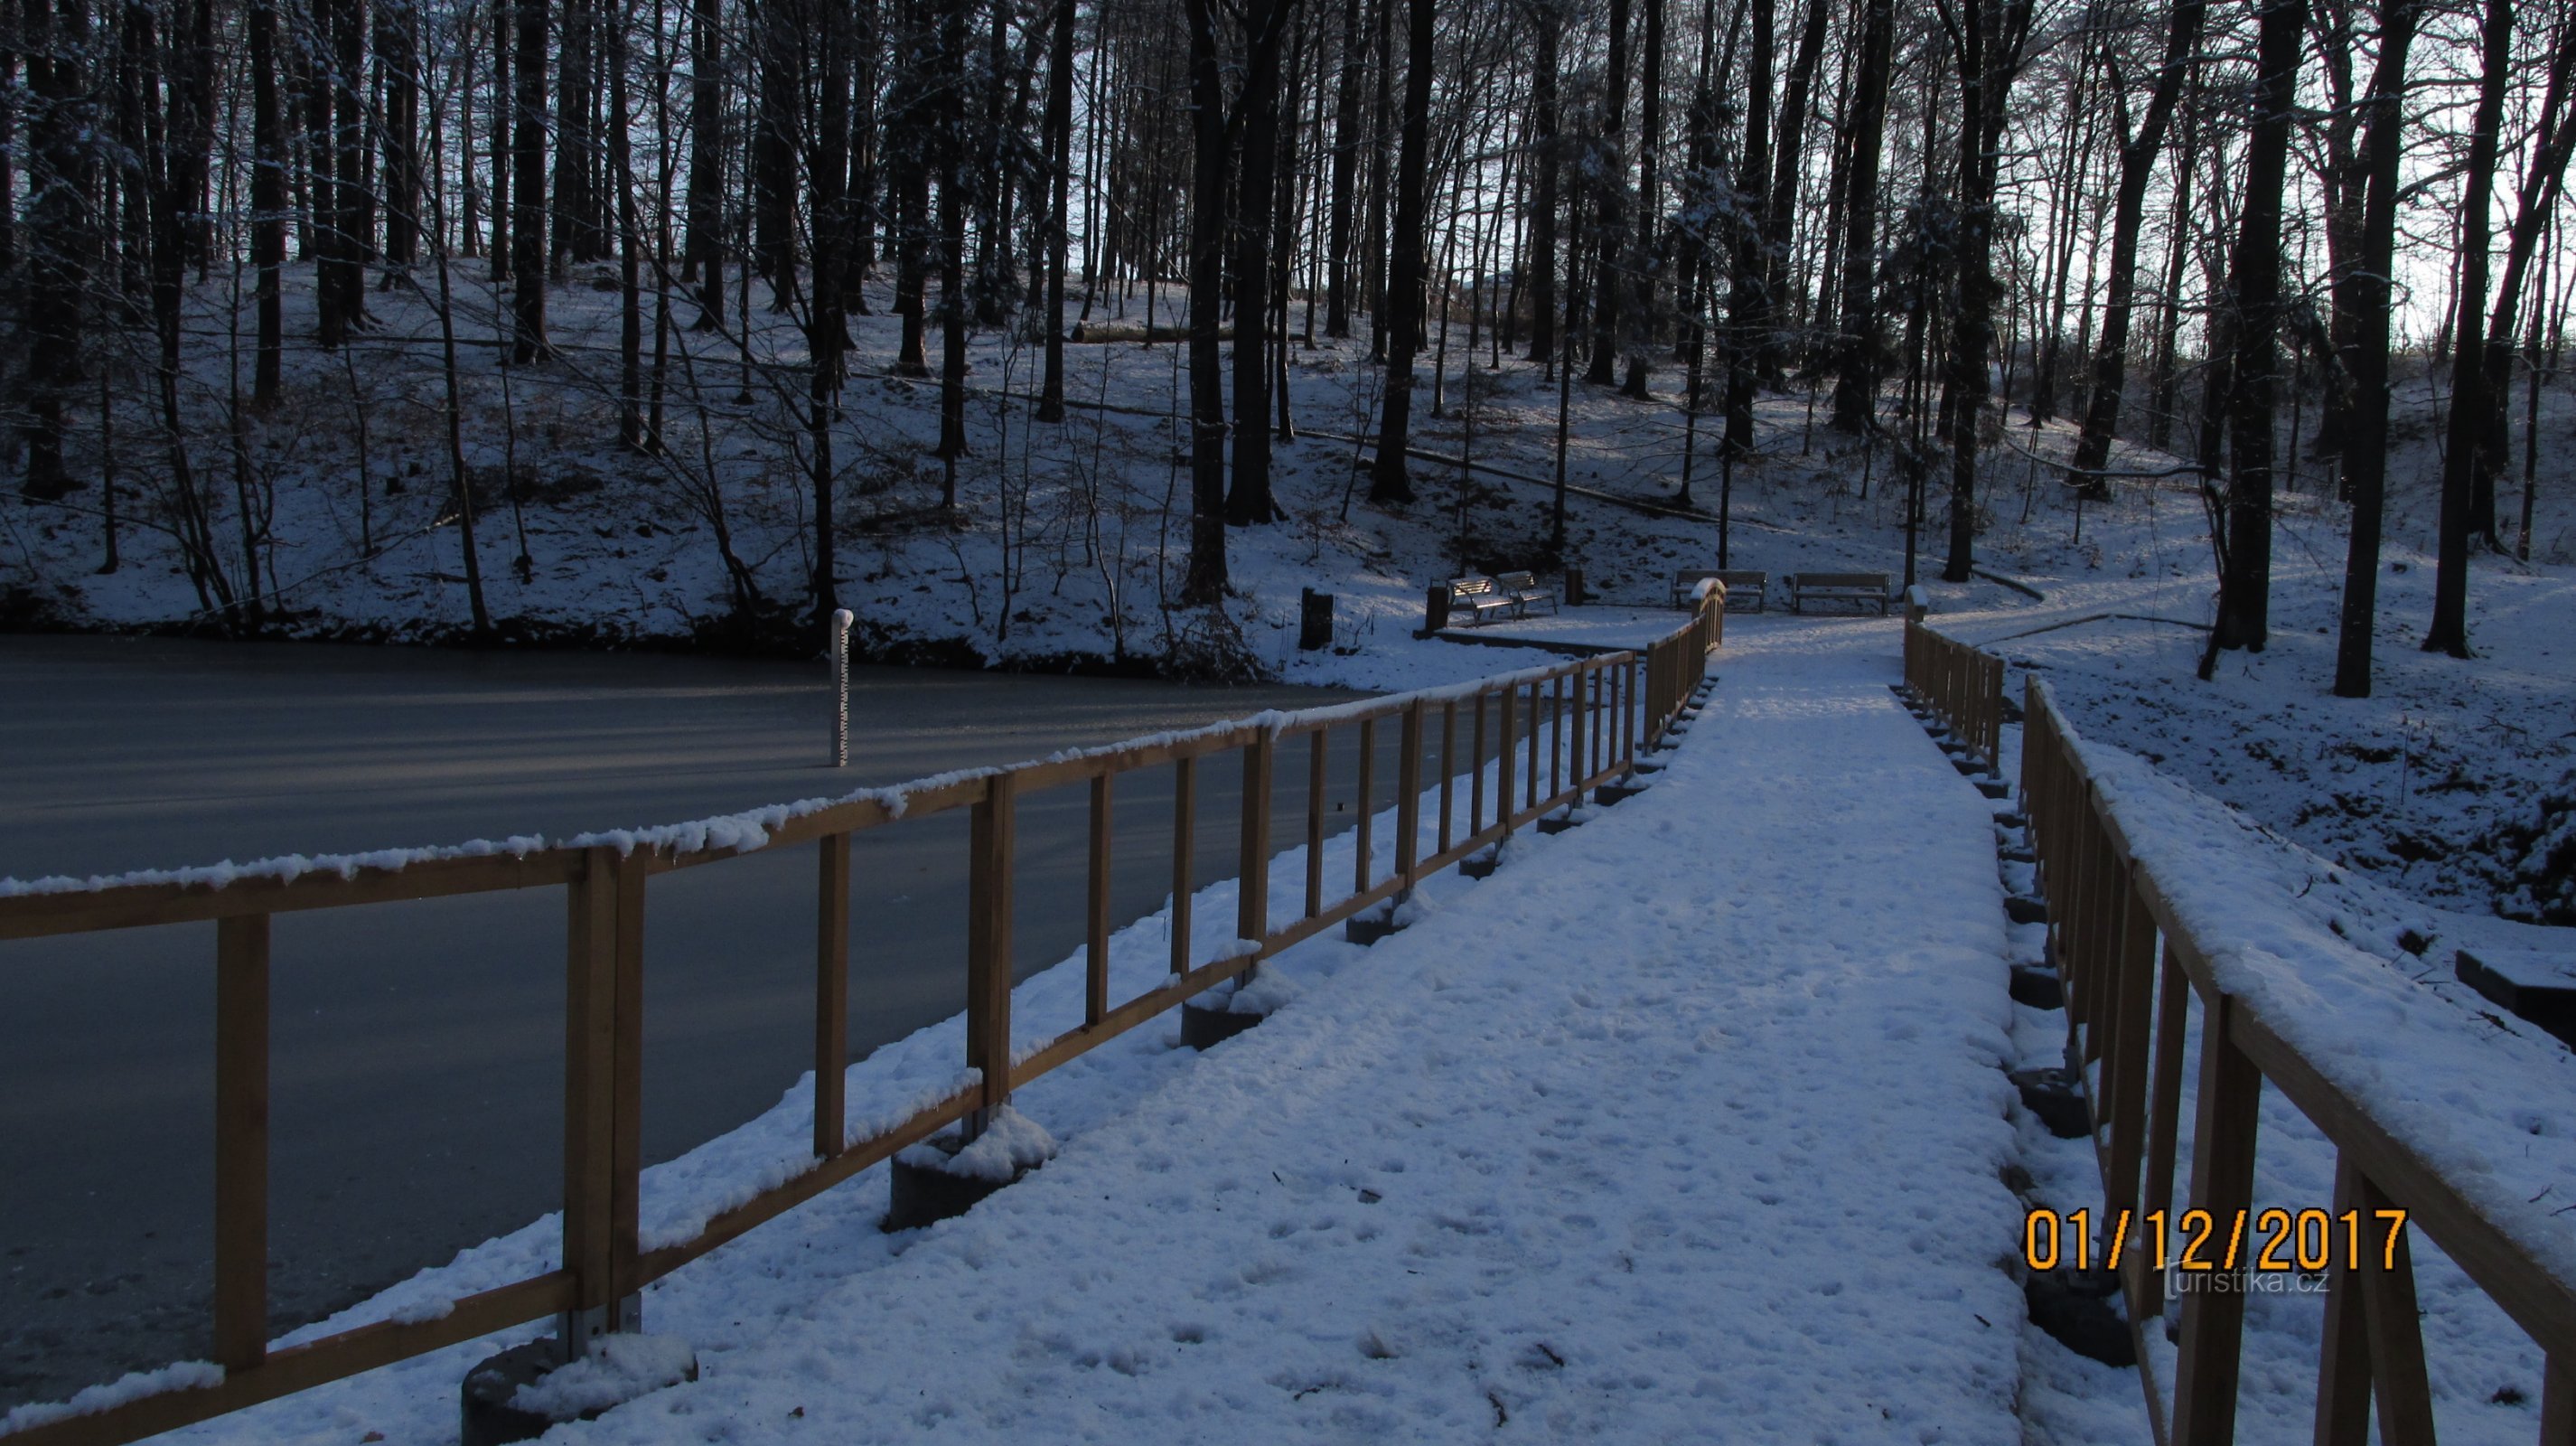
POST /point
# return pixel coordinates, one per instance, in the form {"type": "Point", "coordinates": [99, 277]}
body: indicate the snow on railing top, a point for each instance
{"type": "Point", "coordinates": [2277, 926]}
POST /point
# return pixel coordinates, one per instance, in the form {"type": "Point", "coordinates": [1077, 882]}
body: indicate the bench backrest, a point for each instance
{"type": "Point", "coordinates": [1690, 577]}
{"type": "Point", "coordinates": [1470, 586]}
{"type": "Point", "coordinates": [1740, 577]}
{"type": "Point", "coordinates": [1876, 580]}
{"type": "Point", "coordinates": [1517, 579]}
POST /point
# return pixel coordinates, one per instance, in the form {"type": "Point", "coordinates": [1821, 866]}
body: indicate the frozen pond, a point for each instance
{"type": "Point", "coordinates": [417, 1067]}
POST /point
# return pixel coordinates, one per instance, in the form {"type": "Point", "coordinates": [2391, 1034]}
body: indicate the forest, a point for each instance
{"type": "Point", "coordinates": [293, 283]}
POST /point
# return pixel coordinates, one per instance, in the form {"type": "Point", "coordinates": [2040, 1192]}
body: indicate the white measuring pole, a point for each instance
{"type": "Point", "coordinates": [841, 620]}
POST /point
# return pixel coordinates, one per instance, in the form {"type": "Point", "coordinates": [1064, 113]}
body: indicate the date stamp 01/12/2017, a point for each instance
{"type": "Point", "coordinates": [2274, 1247]}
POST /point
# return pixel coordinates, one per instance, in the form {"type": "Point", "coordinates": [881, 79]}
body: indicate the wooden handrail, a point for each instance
{"type": "Point", "coordinates": [2128, 955]}
{"type": "Point", "coordinates": [605, 880]}
{"type": "Point", "coordinates": [1962, 686]}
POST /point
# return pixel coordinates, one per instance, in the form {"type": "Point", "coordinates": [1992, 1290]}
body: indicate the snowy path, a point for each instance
{"type": "Point", "coordinates": [1688, 1126]}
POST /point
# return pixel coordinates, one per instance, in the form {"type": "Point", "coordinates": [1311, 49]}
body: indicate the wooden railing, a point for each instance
{"type": "Point", "coordinates": [1963, 686]}
{"type": "Point", "coordinates": [1543, 736]}
{"type": "Point", "coordinates": [1676, 662]}
{"type": "Point", "coordinates": [2128, 957]}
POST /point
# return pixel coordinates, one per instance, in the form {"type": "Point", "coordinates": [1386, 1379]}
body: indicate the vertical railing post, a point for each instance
{"type": "Point", "coordinates": [1315, 820]}
{"type": "Point", "coordinates": [1476, 772]}
{"type": "Point", "coordinates": [2222, 1183]}
{"type": "Point", "coordinates": [1503, 762]}
{"type": "Point", "coordinates": [2124, 1066]}
{"type": "Point", "coordinates": [831, 994]}
{"type": "Point", "coordinates": [1408, 796]}
{"type": "Point", "coordinates": [1529, 785]}
{"type": "Point", "coordinates": [1252, 891]}
{"type": "Point", "coordinates": [590, 1096]}
{"type": "Point", "coordinates": [1577, 737]}
{"type": "Point", "coordinates": [626, 1141]}
{"type": "Point", "coordinates": [241, 1141]}
{"type": "Point", "coordinates": [1448, 768]}
{"type": "Point", "coordinates": [1185, 796]}
{"type": "Point", "coordinates": [990, 829]}
{"type": "Point", "coordinates": [1361, 862]}
{"type": "Point", "coordinates": [1095, 933]}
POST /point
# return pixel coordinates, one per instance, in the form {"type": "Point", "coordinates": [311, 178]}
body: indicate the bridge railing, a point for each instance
{"type": "Point", "coordinates": [1962, 685]}
{"type": "Point", "coordinates": [2131, 960]}
{"type": "Point", "coordinates": [1544, 736]}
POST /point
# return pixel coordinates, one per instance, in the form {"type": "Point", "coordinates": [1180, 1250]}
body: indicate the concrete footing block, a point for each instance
{"type": "Point", "coordinates": [2038, 986]}
{"type": "Point", "coordinates": [925, 1193]}
{"type": "Point", "coordinates": [2057, 1098]}
{"type": "Point", "coordinates": [529, 1389]}
{"type": "Point", "coordinates": [2080, 1309]}
{"type": "Point", "coordinates": [1206, 1028]}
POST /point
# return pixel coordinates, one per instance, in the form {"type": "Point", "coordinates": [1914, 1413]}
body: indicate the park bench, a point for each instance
{"type": "Point", "coordinates": [1869, 588]}
{"type": "Point", "coordinates": [1523, 589]}
{"type": "Point", "coordinates": [1746, 591]}
{"type": "Point", "coordinates": [1478, 599]}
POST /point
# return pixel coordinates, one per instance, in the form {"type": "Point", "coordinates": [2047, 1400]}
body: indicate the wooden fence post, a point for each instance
{"type": "Point", "coordinates": [831, 994]}
{"type": "Point", "coordinates": [1448, 769]}
{"type": "Point", "coordinates": [1095, 933]}
{"type": "Point", "coordinates": [241, 1141]}
{"type": "Point", "coordinates": [1185, 795]}
{"type": "Point", "coordinates": [1252, 889]}
{"type": "Point", "coordinates": [590, 1096]}
{"type": "Point", "coordinates": [1408, 790]}
{"type": "Point", "coordinates": [991, 827]}
{"type": "Point", "coordinates": [2222, 1183]}
{"type": "Point", "coordinates": [1315, 821]}
{"type": "Point", "coordinates": [1503, 763]}
{"type": "Point", "coordinates": [1361, 862]}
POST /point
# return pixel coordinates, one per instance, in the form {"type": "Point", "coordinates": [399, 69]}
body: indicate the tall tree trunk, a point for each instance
{"type": "Point", "coordinates": [1859, 354]}
{"type": "Point", "coordinates": [1748, 306]}
{"type": "Point", "coordinates": [504, 103]}
{"type": "Point", "coordinates": [702, 253]}
{"type": "Point", "coordinates": [1989, 44]}
{"type": "Point", "coordinates": [2128, 213]}
{"type": "Point", "coordinates": [2450, 629]}
{"type": "Point", "coordinates": [576, 236]}
{"type": "Point", "coordinates": [623, 180]}
{"type": "Point", "coordinates": [1205, 579]}
{"type": "Point", "coordinates": [267, 201]}
{"type": "Point", "coordinates": [1389, 482]}
{"type": "Point", "coordinates": [1059, 154]}
{"type": "Point", "coordinates": [956, 196]}
{"type": "Point", "coordinates": [528, 199]}
{"type": "Point", "coordinates": [1250, 501]}
{"type": "Point", "coordinates": [2553, 138]}
{"type": "Point", "coordinates": [775, 143]}
{"type": "Point", "coordinates": [1346, 160]}
{"type": "Point", "coordinates": [340, 293]}
{"type": "Point", "coordinates": [1539, 261]}
{"type": "Point", "coordinates": [2366, 458]}
{"type": "Point", "coordinates": [2244, 591]}
{"type": "Point", "coordinates": [1779, 216]}
{"type": "Point", "coordinates": [1610, 180]}
{"type": "Point", "coordinates": [1640, 308]}
{"type": "Point", "coordinates": [398, 52]}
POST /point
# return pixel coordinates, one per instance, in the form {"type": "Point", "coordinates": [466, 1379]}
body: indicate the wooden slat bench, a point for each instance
{"type": "Point", "coordinates": [1523, 589]}
{"type": "Point", "coordinates": [1868, 588]}
{"type": "Point", "coordinates": [1478, 599]}
{"type": "Point", "coordinates": [1746, 591]}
